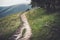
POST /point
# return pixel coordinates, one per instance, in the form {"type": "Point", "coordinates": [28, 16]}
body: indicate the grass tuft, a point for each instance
{"type": "Point", "coordinates": [8, 25]}
{"type": "Point", "coordinates": [44, 26]}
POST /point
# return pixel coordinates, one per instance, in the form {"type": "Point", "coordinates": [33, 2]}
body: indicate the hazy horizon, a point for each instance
{"type": "Point", "coordinates": [13, 2]}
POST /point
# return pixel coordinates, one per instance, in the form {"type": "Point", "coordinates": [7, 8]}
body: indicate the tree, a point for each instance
{"type": "Point", "coordinates": [48, 4]}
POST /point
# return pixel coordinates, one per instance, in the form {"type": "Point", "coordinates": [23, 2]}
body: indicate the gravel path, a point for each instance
{"type": "Point", "coordinates": [18, 34]}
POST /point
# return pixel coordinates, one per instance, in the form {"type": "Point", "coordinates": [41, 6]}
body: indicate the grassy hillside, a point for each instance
{"type": "Point", "coordinates": [45, 26]}
{"type": "Point", "coordinates": [8, 25]}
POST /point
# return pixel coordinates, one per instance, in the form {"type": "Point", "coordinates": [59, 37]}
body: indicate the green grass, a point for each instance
{"type": "Point", "coordinates": [44, 25]}
{"type": "Point", "coordinates": [8, 25]}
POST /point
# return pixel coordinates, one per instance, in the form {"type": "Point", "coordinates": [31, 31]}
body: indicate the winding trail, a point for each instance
{"type": "Point", "coordinates": [25, 25]}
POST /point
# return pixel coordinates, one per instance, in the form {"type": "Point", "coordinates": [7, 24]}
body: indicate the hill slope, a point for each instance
{"type": "Point", "coordinates": [4, 11]}
{"type": "Point", "coordinates": [8, 25]}
{"type": "Point", "coordinates": [45, 26]}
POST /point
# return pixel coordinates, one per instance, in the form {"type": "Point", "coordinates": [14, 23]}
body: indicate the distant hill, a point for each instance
{"type": "Point", "coordinates": [4, 11]}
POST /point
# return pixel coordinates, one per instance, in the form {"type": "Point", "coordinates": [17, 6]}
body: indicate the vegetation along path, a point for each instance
{"type": "Point", "coordinates": [18, 35]}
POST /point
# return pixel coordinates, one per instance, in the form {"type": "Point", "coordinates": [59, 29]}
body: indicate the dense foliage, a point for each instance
{"type": "Point", "coordinates": [53, 5]}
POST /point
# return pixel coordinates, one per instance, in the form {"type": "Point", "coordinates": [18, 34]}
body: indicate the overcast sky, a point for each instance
{"type": "Point", "coordinates": [13, 2]}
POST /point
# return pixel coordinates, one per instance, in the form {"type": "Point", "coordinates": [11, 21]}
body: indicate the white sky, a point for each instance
{"type": "Point", "coordinates": [13, 2]}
